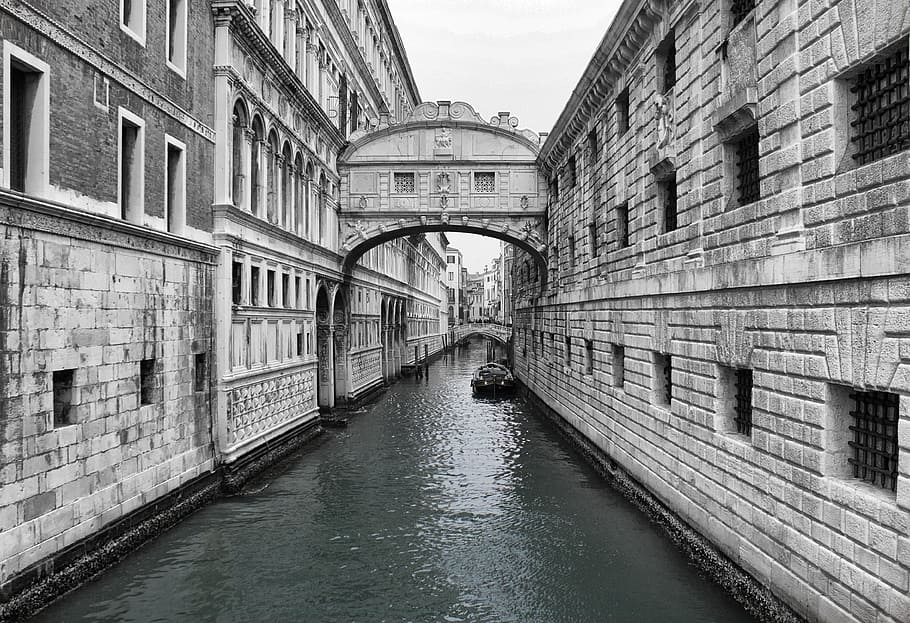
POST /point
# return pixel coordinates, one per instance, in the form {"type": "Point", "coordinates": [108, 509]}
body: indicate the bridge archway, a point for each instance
{"type": "Point", "coordinates": [444, 168]}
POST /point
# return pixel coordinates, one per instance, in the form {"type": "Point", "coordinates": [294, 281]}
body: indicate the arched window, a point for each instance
{"type": "Point", "coordinates": [287, 215]}
{"type": "Point", "coordinates": [299, 191]}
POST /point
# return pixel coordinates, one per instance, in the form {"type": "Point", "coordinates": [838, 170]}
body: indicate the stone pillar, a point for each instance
{"type": "Point", "coordinates": [311, 66]}
{"type": "Point", "coordinates": [278, 26]}
{"type": "Point", "coordinates": [247, 167]}
{"type": "Point", "coordinates": [325, 346]}
{"type": "Point", "coordinates": [290, 39]}
{"type": "Point", "coordinates": [342, 365]}
{"type": "Point", "coordinates": [223, 126]}
{"type": "Point", "coordinates": [271, 184]}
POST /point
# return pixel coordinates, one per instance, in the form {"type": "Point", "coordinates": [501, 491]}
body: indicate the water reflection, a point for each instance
{"type": "Point", "coordinates": [431, 506]}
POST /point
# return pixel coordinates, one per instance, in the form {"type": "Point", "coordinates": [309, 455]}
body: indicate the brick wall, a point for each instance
{"type": "Point", "coordinates": [78, 294]}
{"type": "Point", "coordinates": [806, 287]}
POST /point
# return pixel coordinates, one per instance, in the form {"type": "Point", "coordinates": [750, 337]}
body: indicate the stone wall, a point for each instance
{"type": "Point", "coordinates": [128, 311]}
{"type": "Point", "coordinates": [804, 287]}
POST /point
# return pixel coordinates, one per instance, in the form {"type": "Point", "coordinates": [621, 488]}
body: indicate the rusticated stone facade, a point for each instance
{"type": "Point", "coordinates": [730, 289]}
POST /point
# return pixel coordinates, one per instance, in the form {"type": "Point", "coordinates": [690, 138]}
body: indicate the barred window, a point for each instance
{"type": "Point", "coordinates": [874, 437]}
{"type": "Point", "coordinates": [747, 168]}
{"type": "Point", "coordinates": [668, 198]}
{"type": "Point", "coordinates": [593, 250]}
{"type": "Point", "coordinates": [742, 409]}
{"type": "Point", "coordinates": [589, 356]}
{"type": "Point", "coordinates": [570, 172]}
{"type": "Point", "coordinates": [484, 182]}
{"type": "Point", "coordinates": [739, 9]}
{"type": "Point", "coordinates": [881, 125]}
{"type": "Point", "coordinates": [592, 145]}
{"type": "Point", "coordinates": [404, 183]}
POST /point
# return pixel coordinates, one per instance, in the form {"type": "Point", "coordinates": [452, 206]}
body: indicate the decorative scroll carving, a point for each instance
{"type": "Point", "coordinates": [259, 407]}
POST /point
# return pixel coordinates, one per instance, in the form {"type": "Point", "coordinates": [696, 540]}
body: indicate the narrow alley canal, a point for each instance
{"type": "Point", "coordinates": [430, 506]}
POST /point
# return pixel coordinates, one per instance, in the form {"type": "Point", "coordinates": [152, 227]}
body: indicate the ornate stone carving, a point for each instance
{"type": "Point", "coordinates": [664, 106]}
{"type": "Point", "coordinates": [362, 203]}
{"type": "Point", "coordinates": [443, 138]}
{"type": "Point", "coordinates": [524, 202]}
{"type": "Point", "coordinates": [443, 181]}
{"type": "Point", "coordinates": [263, 406]}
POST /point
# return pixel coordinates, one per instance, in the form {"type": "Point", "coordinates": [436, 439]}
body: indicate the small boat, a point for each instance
{"type": "Point", "coordinates": [492, 379]}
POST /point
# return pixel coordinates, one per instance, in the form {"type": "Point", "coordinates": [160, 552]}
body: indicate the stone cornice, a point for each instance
{"type": "Point", "coordinates": [243, 22]}
{"type": "Point", "coordinates": [622, 42]}
{"type": "Point", "coordinates": [19, 210]}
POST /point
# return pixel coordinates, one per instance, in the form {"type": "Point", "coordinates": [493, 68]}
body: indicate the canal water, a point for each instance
{"type": "Point", "coordinates": [431, 506]}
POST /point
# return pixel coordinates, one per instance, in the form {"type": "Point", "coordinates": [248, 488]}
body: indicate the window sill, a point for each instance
{"type": "Point", "coordinates": [139, 38]}
{"type": "Point", "coordinates": [180, 71]}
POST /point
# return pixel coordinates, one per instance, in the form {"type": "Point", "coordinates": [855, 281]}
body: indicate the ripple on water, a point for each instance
{"type": "Point", "coordinates": [431, 506]}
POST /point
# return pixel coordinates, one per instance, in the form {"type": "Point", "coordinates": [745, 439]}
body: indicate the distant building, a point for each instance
{"type": "Point", "coordinates": [454, 284]}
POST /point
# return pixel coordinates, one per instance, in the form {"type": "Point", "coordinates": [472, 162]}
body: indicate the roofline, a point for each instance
{"type": "Point", "coordinates": [399, 49]}
{"type": "Point", "coordinates": [604, 51]}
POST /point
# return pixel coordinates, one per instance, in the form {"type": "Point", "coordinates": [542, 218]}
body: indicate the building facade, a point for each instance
{"type": "Point", "coordinates": [172, 296]}
{"type": "Point", "coordinates": [727, 305]}
{"type": "Point", "coordinates": [455, 285]}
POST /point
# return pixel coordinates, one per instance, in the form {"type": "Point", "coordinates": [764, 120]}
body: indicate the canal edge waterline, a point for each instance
{"type": "Point", "coordinates": [92, 556]}
{"type": "Point", "coordinates": [755, 597]}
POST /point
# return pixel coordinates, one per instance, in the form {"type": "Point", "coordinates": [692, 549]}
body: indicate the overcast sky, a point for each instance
{"type": "Point", "coordinates": [524, 56]}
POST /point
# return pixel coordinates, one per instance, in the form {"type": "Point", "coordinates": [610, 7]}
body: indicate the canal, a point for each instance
{"type": "Point", "coordinates": [430, 506]}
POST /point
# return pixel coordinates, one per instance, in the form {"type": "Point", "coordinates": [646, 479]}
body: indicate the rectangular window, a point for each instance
{"type": "Point", "coordinates": [589, 356]}
{"type": "Point", "coordinates": [484, 182]}
{"type": "Point", "coordinates": [747, 178]}
{"type": "Point", "coordinates": [622, 112]}
{"type": "Point", "coordinates": [200, 366]}
{"type": "Point", "coordinates": [299, 344]}
{"type": "Point", "coordinates": [404, 183]}
{"type": "Point", "coordinates": [132, 19]}
{"type": "Point", "coordinates": [667, 197]}
{"type": "Point", "coordinates": [176, 36]}
{"type": "Point", "coordinates": [308, 294]}
{"type": "Point", "coordinates": [450, 259]}
{"type": "Point", "coordinates": [254, 285]}
{"type": "Point", "coordinates": [742, 408]}
{"type": "Point", "coordinates": [298, 292]}
{"type": "Point", "coordinates": [132, 167]}
{"type": "Point", "coordinates": [881, 124]}
{"type": "Point", "coordinates": [666, 63]}
{"type": "Point", "coordinates": [270, 287]}
{"type": "Point", "coordinates": [873, 443]}
{"type": "Point", "coordinates": [237, 283]}
{"type": "Point", "coordinates": [285, 290]}
{"type": "Point", "coordinates": [592, 146]}
{"type": "Point", "coordinates": [663, 379]}
{"type": "Point", "coordinates": [572, 250]}
{"type": "Point", "coordinates": [26, 120]}
{"type": "Point", "coordinates": [619, 365]}
{"type": "Point", "coordinates": [592, 239]}
{"type": "Point", "coordinates": [570, 172]}
{"type": "Point", "coordinates": [175, 182]}
{"type": "Point", "coordinates": [63, 397]}
{"type": "Point", "coordinates": [568, 351]}
{"type": "Point", "coordinates": [554, 190]}
{"type": "Point", "coordinates": [622, 224]}
{"type": "Point", "coordinates": [147, 382]}
{"type": "Point", "coordinates": [739, 9]}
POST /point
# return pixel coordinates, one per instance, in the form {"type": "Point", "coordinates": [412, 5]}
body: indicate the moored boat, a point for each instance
{"type": "Point", "coordinates": [492, 379]}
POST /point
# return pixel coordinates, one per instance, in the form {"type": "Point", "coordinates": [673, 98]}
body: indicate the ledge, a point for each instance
{"type": "Point", "coordinates": [20, 210]}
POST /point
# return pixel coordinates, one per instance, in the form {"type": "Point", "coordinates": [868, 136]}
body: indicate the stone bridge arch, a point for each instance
{"type": "Point", "coordinates": [444, 168]}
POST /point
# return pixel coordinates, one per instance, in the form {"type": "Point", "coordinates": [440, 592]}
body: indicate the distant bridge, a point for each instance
{"type": "Point", "coordinates": [499, 332]}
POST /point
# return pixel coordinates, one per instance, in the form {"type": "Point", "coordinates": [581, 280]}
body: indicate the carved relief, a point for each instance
{"type": "Point", "coordinates": [260, 407]}
{"type": "Point", "coordinates": [664, 106]}
{"type": "Point", "coordinates": [443, 138]}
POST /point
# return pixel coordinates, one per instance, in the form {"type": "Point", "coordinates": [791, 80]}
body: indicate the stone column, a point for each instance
{"type": "Point", "coordinates": [247, 167]}
{"type": "Point", "coordinates": [278, 26]}
{"type": "Point", "coordinates": [223, 114]}
{"type": "Point", "coordinates": [311, 65]}
{"type": "Point", "coordinates": [290, 40]}
{"type": "Point", "coordinates": [325, 346]}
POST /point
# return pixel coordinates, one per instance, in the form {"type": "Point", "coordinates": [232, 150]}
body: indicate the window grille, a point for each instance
{"type": "Point", "coordinates": [874, 444]}
{"type": "Point", "coordinates": [484, 182]}
{"type": "Point", "coordinates": [669, 192]}
{"type": "Point", "coordinates": [570, 172]}
{"type": "Point", "coordinates": [592, 145]}
{"type": "Point", "coordinates": [739, 9]}
{"type": "Point", "coordinates": [743, 408]}
{"type": "Point", "coordinates": [882, 123]}
{"type": "Point", "coordinates": [404, 183]}
{"type": "Point", "coordinates": [747, 163]}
